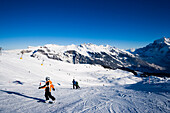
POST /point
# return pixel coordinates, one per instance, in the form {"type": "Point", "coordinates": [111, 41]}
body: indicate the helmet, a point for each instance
{"type": "Point", "coordinates": [47, 78]}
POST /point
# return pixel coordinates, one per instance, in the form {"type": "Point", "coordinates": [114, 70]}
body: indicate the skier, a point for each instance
{"type": "Point", "coordinates": [74, 83]}
{"type": "Point", "coordinates": [47, 88]}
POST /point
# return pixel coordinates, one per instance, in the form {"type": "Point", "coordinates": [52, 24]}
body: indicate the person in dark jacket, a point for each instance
{"type": "Point", "coordinates": [48, 86]}
{"type": "Point", "coordinates": [74, 83]}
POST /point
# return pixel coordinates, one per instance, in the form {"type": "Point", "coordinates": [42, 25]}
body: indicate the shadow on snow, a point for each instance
{"type": "Point", "coordinates": [18, 82]}
{"type": "Point", "coordinates": [19, 94]}
{"type": "Point", "coordinates": [152, 87]}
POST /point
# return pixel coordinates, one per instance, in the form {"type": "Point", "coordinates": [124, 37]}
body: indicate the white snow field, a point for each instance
{"type": "Point", "coordinates": [102, 90]}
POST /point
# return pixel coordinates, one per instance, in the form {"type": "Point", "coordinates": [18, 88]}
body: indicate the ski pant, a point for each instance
{"type": "Point", "coordinates": [77, 87]}
{"type": "Point", "coordinates": [74, 86]}
{"type": "Point", "coordinates": [48, 95]}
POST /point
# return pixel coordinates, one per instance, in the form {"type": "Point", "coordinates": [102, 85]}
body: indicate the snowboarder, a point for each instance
{"type": "Point", "coordinates": [47, 88]}
{"type": "Point", "coordinates": [74, 83]}
{"type": "Point", "coordinates": [77, 85]}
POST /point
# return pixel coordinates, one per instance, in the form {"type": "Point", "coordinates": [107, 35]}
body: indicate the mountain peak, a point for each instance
{"type": "Point", "coordinates": [157, 52]}
{"type": "Point", "coordinates": [163, 40]}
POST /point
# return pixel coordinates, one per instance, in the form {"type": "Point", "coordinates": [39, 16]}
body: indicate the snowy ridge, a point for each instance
{"type": "Point", "coordinates": [84, 48]}
{"type": "Point", "coordinates": [163, 40]}
{"type": "Point", "coordinates": [157, 53]}
{"type": "Point", "coordinates": [106, 56]}
{"type": "Point", "coordinates": [102, 90]}
{"type": "Point", "coordinates": [159, 47]}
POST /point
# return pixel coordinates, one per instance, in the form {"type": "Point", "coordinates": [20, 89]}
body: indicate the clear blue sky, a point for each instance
{"type": "Point", "coordinates": [120, 23]}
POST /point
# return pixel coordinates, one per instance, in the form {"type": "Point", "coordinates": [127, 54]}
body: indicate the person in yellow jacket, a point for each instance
{"type": "Point", "coordinates": [48, 86]}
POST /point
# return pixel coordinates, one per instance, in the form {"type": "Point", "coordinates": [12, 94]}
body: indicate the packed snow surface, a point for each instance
{"type": "Point", "coordinates": [102, 90]}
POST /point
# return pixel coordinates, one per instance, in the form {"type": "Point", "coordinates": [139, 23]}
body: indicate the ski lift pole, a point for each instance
{"type": "Point", "coordinates": [42, 63]}
{"type": "Point", "coordinates": [21, 56]}
{"type": "Point", "coordinates": [22, 52]}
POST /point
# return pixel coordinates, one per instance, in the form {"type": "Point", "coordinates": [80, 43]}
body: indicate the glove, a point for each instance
{"type": "Point", "coordinates": [53, 89]}
{"type": "Point", "coordinates": [39, 88]}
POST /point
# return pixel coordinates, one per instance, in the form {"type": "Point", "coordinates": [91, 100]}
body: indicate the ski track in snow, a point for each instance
{"type": "Point", "coordinates": [94, 99]}
{"type": "Point", "coordinates": [102, 90]}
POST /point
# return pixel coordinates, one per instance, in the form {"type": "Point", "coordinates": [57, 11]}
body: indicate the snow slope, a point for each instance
{"type": "Point", "coordinates": [102, 90]}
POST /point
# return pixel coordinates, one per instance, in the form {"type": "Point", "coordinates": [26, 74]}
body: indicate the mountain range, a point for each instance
{"type": "Point", "coordinates": [154, 58]}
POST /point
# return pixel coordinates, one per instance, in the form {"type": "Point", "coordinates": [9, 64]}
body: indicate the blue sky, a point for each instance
{"type": "Point", "coordinates": [120, 23]}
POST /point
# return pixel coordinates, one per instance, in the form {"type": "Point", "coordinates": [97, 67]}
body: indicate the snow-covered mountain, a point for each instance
{"type": "Point", "coordinates": [106, 56]}
{"type": "Point", "coordinates": [101, 90]}
{"type": "Point", "coordinates": [157, 53]}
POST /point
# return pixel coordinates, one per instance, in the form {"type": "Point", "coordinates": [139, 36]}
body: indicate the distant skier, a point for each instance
{"type": "Point", "coordinates": [74, 83]}
{"type": "Point", "coordinates": [48, 87]}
